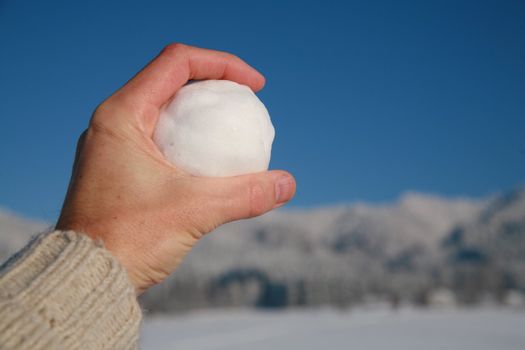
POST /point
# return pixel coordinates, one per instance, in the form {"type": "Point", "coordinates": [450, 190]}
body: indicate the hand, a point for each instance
{"type": "Point", "coordinates": [147, 212]}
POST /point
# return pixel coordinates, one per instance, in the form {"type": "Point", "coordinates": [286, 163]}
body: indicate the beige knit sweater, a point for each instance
{"type": "Point", "coordinates": [64, 291]}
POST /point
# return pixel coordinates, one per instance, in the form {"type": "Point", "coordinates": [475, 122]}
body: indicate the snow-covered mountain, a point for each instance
{"type": "Point", "coordinates": [488, 253]}
{"type": "Point", "coordinates": [344, 254]}
{"type": "Point", "coordinates": [497, 232]}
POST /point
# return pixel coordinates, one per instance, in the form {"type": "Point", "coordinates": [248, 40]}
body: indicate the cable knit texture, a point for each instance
{"type": "Point", "coordinates": [64, 291]}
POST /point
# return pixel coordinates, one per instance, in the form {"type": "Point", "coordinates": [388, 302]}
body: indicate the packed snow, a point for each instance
{"type": "Point", "coordinates": [405, 329]}
{"type": "Point", "coordinates": [216, 128]}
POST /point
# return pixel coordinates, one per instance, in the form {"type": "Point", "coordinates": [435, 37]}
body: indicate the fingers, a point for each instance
{"type": "Point", "coordinates": [246, 196]}
{"type": "Point", "coordinates": [177, 64]}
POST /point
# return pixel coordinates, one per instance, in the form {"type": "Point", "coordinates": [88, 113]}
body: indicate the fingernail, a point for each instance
{"type": "Point", "coordinates": [283, 189]}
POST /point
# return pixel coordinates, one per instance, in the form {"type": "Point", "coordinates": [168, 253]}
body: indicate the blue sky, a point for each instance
{"type": "Point", "coordinates": [369, 99]}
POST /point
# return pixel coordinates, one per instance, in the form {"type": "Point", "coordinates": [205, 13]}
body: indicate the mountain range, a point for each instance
{"type": "Point", "coordinates": [342, 255]}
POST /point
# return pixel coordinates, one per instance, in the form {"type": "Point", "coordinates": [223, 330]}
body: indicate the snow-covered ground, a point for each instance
{"type": "Point", "coordinates": [404, 329]}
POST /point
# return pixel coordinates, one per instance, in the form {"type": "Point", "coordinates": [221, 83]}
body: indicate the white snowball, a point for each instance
{"type": "Point", "coordinates": [216, 128]}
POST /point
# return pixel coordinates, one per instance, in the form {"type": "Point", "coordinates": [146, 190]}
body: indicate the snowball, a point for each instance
{"type": "Point", "coordinates": [216, 128]}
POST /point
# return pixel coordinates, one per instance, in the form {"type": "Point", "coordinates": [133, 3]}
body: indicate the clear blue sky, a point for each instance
{"type": "Point", "coordinates": [369, 99]}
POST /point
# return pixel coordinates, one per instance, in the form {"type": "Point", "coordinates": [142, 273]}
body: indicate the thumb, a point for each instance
{"type": "Point", "coordinates": [246, 196]}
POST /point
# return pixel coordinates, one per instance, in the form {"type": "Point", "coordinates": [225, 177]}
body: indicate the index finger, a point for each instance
{"type": "Point", "coordinates": [156, 83]}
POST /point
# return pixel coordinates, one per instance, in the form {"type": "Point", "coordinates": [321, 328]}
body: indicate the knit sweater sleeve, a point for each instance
{"type": "Point", "coordinates": [64, 291]}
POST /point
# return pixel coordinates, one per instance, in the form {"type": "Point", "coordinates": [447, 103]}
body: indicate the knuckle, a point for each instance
{"type": "Point", "coordinates": [173, 49]}
{"type": "Point", "coordinates": [81, 140]}
{"type": "Point", "coordinates": [257, 199]}
{"type": "Point", "coordinates": [82, 137]}
{"type": "Point", "coordinates": [107, 113]}
{"type": "Point", "coordinates": [230, 56]}
{"type": "Point", "coordinates": [101, 113]}
{"type": "Point", "coordinates": [101, 109]}
{"type": "Point", "coordinates": [105, 109]}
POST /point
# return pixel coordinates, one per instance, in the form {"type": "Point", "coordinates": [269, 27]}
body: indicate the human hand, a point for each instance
{"type": "Point", "coordinates": [148, 213]}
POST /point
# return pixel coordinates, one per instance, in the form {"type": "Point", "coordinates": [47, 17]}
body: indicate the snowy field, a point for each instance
{"type": "Point", "coordinates": [478, 329]}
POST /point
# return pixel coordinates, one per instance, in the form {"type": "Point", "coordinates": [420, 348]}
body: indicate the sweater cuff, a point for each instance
{"type": "Point", "coordinates": [65, 291]}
